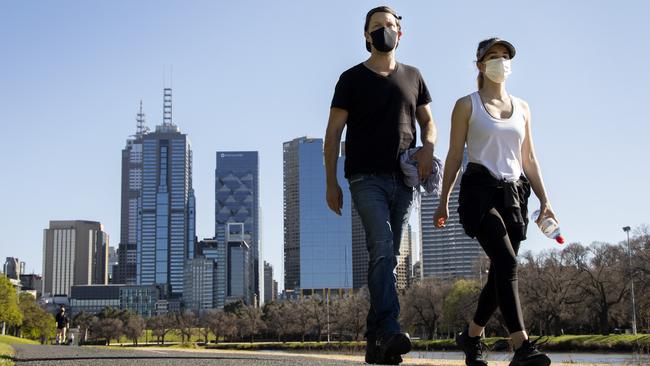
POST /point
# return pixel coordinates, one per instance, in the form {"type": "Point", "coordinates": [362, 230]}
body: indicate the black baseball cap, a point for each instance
{"type": "Point", "coordinates": [485, 45]}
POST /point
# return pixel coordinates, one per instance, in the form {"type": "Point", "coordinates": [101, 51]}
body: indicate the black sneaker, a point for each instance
{"type": "Point", "coordinates": [473, 348]}
{"type": "Point", "coordinates": [371, 353]}
{"type": "Point", "coordinates": [528, 355]}
{"type": "Point", "coordinates": [391, 347]}
{"type": "Point", "coordinates": [371, 350]}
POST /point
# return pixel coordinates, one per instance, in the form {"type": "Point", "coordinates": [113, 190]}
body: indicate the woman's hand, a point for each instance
{"type": "Point", "coordinates": [545, 211]}
{"type": "Point", "coordinates": [441, 215]}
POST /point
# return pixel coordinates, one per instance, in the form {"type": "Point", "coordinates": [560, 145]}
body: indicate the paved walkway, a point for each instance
{"type": "Point", "coordinates": [36, 355]}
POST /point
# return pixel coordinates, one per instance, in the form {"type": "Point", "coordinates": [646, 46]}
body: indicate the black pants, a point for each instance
{"type": "Point", "coordinates": [501, 289]}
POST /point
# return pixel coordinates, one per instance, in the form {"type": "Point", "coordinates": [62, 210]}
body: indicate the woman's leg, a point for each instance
{"type": "Point", "coordinates": [501, 288]}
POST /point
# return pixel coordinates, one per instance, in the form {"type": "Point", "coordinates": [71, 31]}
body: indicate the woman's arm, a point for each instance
{"type": "Point", "coordinates": [459, 125]}
{"type": "Point", "coordinates": [532, 169]}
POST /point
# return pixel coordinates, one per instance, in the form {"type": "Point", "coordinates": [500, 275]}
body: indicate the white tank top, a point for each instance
{"type": "Point", "coordinates": [494, 142]}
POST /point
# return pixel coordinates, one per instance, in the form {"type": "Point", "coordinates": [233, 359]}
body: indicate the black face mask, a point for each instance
{"type": "Point", "coordinates": [384, 39]}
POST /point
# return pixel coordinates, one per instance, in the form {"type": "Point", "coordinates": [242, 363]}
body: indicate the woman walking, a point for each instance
{"type": "Point", "coordinates": [496, 127]}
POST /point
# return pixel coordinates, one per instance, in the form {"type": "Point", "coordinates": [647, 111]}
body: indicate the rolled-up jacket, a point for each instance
{"type": "Point", "coordinates": [433, 184]}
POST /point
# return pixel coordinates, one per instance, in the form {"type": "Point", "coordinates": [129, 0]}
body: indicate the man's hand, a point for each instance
{"type": "Point", "coordinates": [335, 197]}
{"type": "Point", "coordinates": [424, 157]}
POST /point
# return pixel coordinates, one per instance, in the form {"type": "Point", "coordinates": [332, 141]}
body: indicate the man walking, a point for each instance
{"type": "Point", "coordinates": [61, 325]}
{"type": "Point", "coordinates": [379, 101]}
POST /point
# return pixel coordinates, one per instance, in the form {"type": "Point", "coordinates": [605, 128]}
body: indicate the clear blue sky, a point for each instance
{"type": "Point", "coordinates": [251, 75]}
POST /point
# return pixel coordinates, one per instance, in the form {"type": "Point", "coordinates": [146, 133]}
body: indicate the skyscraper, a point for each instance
{"type": "Point", "coordinates": [237, 201]}
{"type": "Point", "coordinates": [269, 292]}
{"type": "Point", "coordinates": [447, 252]}
{"type": "Point", "coordinates": [166, 226]}
{"type": "Point", "coordinates": [126, 270]}
{"type": "Point", "coordinates": [214, 251]}
{"type": "Point", "coordinates": [12, 268]}
{"type": "Point", "coordinates": [74, 253]}
{"type": "Point", "coordinates": [317, 242]}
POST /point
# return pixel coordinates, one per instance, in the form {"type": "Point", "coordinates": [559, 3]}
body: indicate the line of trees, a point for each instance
{"type": "Point", "coordinates": [301, 319]}
{"type": "Point", "coordinates": [574, 290]}
{"type": "Point", "coordinates": [21, 316]}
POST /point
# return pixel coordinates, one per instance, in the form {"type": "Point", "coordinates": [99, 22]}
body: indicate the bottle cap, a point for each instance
{"type": "Point", "coordinates": [559, 239]}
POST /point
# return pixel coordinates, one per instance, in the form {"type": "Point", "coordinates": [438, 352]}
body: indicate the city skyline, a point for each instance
{"type": "Point", "coordinates": [68, 97]}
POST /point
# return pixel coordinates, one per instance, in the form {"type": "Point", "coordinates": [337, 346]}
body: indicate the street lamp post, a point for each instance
{"type": "Point", "coordinates": [629, 252]}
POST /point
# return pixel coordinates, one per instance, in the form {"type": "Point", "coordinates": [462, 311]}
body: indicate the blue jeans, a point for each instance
{"type": "Point", "coordinates": [383, 203]}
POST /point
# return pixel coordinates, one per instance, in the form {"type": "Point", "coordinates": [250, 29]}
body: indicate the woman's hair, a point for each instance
{"type": "Point", "coordinates": [480, 77]}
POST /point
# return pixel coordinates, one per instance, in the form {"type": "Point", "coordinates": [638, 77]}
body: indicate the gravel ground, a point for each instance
{"type": "Point", "coordinates": [36, 355]}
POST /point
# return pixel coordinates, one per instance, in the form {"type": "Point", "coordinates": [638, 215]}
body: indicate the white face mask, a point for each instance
{"type": "Point", "coordinates": [497, 69]}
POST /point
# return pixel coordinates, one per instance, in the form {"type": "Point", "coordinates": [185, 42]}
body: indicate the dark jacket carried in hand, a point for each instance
{"type": "Point", "coordinates": [480, 191]}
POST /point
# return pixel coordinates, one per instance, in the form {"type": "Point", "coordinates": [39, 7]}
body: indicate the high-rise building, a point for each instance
{"type": "Point", "coordinates": [112, 264]}
{"type": "Point", "coordinates": [12, 267]}
{"type": "Point", "coordinates": [74, 253]}
{"type": "Point", "coordinates": [269, 293]}
{"type": "Point", "coordinates": [32, 282]}
{"type": "Point", "coordinates": [215, 251]}
{"type": "Point", "coordinates": [417, 272]}
{"type": "Point", "coordinates": [237, 195]}
{"type": "Point", "coordinates": [166, 223]}
{"type": "Point", "coordinates": [403, 269]}
{"type": "Point", "coordinates": [238, 269]}
{"type": "Point", "coordinates": [199, 286]}
{"type": "Point", "coordinates": [447, 252]}
{"type": "Point", "coordinates": [125, 272]}
{"type": "Point", "coordinates": [317, 242]}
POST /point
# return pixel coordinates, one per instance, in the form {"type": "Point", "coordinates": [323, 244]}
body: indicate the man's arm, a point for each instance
{"type": "Point", "coordinates": [335, 126]}
{"type": "Point", "coordinates": [424, 156]}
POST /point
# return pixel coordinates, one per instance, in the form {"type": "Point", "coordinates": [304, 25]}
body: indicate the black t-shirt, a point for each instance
{"type": "Point", "coordinates": [381, 116]}
{"type": "Point", "coordinates": [61, 320]}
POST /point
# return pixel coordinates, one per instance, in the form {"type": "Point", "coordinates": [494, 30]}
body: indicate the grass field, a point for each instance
{"type": "Point", "coordinates": [6, 352]}
{"type": "Point", "coordinates": [610, 343]}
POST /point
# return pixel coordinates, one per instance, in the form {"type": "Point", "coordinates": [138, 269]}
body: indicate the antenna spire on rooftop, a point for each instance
{"type": "Point", "coordinates": [142, 129]}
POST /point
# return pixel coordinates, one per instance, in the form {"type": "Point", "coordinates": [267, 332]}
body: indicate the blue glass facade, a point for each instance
{"type": "Point", "coordinates": [319, 255]}
{"type": "Point", "coordinates": [167, 219]}
{"type": "Point", "coordinates": [237, 201]}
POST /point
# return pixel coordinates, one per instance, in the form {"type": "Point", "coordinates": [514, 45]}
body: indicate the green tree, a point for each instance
{"type": "Point", "coordinates": [107, 328]}
{"type": "Point", "coordinates": [160, 325]}
{"type": "Point", "coordinates": [37, 323]}
{"type": "Point", "coordinates": [10, 314]}
{"type": "Point", "coordinates": [83, 320]}
{"type": "Point", "coordinates": [134, 327]}
{"type": "Point", "coordinates": [458, 306]}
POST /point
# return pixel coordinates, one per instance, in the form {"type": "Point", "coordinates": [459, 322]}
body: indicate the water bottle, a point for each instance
{"type": "Point", "coordinates": [549, 227]}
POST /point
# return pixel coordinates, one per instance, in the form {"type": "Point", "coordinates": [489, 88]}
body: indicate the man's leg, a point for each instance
{"type": "Point", "coordinates": [371, 200]}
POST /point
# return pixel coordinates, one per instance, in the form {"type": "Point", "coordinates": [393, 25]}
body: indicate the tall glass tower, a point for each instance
{"type": "Point", "coordinates": [237, 201]}
{"type": "Point", "coordinates": [167, 214]}
{"type": "Point", "coordinates": [317, 242]}
{"type": "Point", "coordinates": [125, 271]}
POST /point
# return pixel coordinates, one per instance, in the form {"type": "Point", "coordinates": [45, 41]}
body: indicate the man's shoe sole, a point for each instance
{"type": "Point", "coordinates": [541, 360]}
{"type": "Point", "coordinates": [397, 345]}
